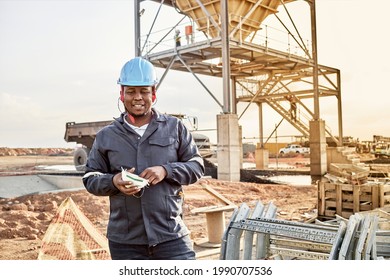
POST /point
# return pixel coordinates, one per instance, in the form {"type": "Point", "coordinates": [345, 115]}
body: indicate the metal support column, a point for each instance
{"type": "Point", "coordinates": [318, 156]}
{"type": "Point", "coordinates": [340, 112]}
{"type": "Point", "coordinates": [225, 57]}
{"type": "Point", "coordinates": [261, 154]}
{"type": "Point", "coordinates": [261, 129]}
{"type": "Point", "coordinates": [229, 141]}
{"type": "Point", "coordinates": [234, 95]}
{"type": "Point", "coordinates": [137, 28]}
{"type": "Point", "coordinates": [315, 59]}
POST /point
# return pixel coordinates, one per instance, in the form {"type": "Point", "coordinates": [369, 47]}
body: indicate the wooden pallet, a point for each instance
{"type": "Point", "coordinates": [347, 199]}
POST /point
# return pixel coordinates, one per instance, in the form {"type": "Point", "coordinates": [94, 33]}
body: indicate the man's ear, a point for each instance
{"type": "Point", "coordinates": [122, 94]}
{"type": "Point", "coordinates": [154, 93]}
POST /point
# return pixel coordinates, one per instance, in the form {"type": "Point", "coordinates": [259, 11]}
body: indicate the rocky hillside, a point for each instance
{"type": "Point", "coordinates": [4, 151]}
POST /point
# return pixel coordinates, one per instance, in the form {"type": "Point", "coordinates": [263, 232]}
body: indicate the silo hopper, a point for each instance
{"type": "Point", "coordinates": [245, 16]}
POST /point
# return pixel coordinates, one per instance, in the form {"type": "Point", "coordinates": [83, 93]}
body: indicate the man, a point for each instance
{"type": "Point", "coordinates": [293, 107]}
{"type": "Point", "coordinates": [177, 38]}
{"type": "Point", "coordinates": [144, 223]}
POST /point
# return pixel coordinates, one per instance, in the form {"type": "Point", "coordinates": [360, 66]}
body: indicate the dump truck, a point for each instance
{"type": "Point", "coordinates": [84, 134]}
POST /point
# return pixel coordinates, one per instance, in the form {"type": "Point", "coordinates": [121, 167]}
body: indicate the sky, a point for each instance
{"type": "Point", "coordinates": [60, 60]}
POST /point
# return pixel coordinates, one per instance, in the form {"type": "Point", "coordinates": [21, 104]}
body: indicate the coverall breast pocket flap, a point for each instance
{"type": "Point", "coordinates": [163, 142]}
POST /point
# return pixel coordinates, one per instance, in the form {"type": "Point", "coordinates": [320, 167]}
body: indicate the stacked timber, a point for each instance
{"type": "Point", "coordinates": [348, 189]}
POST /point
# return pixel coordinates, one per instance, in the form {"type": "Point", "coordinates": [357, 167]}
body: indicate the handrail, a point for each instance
{"type": "Point", "coordinates": [267, 35]}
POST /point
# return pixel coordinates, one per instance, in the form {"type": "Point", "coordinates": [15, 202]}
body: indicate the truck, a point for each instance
{"type": "Point", "coordinates": [380, 150]}
{"type": "Point", "coordinates": [84, 134]}
{"type": "Point", "coordinates": [294, 148]}
{"type": "Point", "coordinates": [380, 146]}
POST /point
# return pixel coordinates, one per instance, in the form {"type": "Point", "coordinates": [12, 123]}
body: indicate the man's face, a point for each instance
{"type": "Point", "coordinates": [138, 100]}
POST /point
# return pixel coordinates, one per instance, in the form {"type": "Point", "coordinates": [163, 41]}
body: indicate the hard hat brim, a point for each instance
{"type": "Point", "coordinates": [136, 84]}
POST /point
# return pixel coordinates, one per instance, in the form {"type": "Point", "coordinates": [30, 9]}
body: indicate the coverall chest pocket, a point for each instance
{"type": "Point", "coordinates": [163, 150]}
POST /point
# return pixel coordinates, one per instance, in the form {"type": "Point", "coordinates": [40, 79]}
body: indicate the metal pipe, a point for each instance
{"type": "Point", "coordinates": [261, 128]}
{"type": "Point", "coordinates": [137, 28]}
{"type": "Point", "coordinates": [225, 56]}
{"type": "Point", "coordinates": [315, 59]}
{"type": "Point", "coordinates": [340, 111]}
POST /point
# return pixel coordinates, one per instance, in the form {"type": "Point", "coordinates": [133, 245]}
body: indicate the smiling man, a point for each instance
{"type": "Point", "coordinates": [145, 222]}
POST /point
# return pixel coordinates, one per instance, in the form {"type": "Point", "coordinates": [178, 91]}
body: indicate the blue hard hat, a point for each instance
{"type": "Point", "coordinates": [138, 72]}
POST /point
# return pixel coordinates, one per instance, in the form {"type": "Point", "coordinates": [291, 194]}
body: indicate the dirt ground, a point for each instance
{"type": "Point", "coordinates": [24, 220]}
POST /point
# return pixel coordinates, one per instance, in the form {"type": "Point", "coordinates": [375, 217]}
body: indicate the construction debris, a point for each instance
{"type": "Point", "coordinates": [348, 189]}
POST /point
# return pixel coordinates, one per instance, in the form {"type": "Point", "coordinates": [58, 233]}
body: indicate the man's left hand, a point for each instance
{"type": "Point", "coordinates": [154, 174]}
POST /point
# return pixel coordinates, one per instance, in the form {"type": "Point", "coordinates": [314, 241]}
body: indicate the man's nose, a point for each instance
{"type": "Point", "coordinates": [137, 94]}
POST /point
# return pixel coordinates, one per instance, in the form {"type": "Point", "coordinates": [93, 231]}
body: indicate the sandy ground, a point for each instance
{"type": "Point", "coordinates": [24, 220]}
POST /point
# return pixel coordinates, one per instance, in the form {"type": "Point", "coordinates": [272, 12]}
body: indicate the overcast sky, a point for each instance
{"type": "Point", "coordinates": [60, 60]}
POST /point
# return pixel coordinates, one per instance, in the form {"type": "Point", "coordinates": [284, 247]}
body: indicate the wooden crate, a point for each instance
{"type": "Point", "coordinates": [384, 199]}
{"type": "Point", "coordinates": [346, 199]}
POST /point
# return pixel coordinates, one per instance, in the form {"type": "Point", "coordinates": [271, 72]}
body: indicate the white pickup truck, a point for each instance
{"type": "Point", "coordinates": [294, 148]}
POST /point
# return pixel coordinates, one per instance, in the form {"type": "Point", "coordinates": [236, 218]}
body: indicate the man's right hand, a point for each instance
{"type": "Point", "coordinates": [125, 187]}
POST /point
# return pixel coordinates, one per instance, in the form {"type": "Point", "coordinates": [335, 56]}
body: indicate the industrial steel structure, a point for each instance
{"type": "Point", "coordinates": [226, 39]}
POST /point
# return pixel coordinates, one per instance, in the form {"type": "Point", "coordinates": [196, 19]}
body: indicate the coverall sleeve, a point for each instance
{"type": "Point", "coordinates": [190, 166]}
{"type": "Point", "coordinates": [97, 178]}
